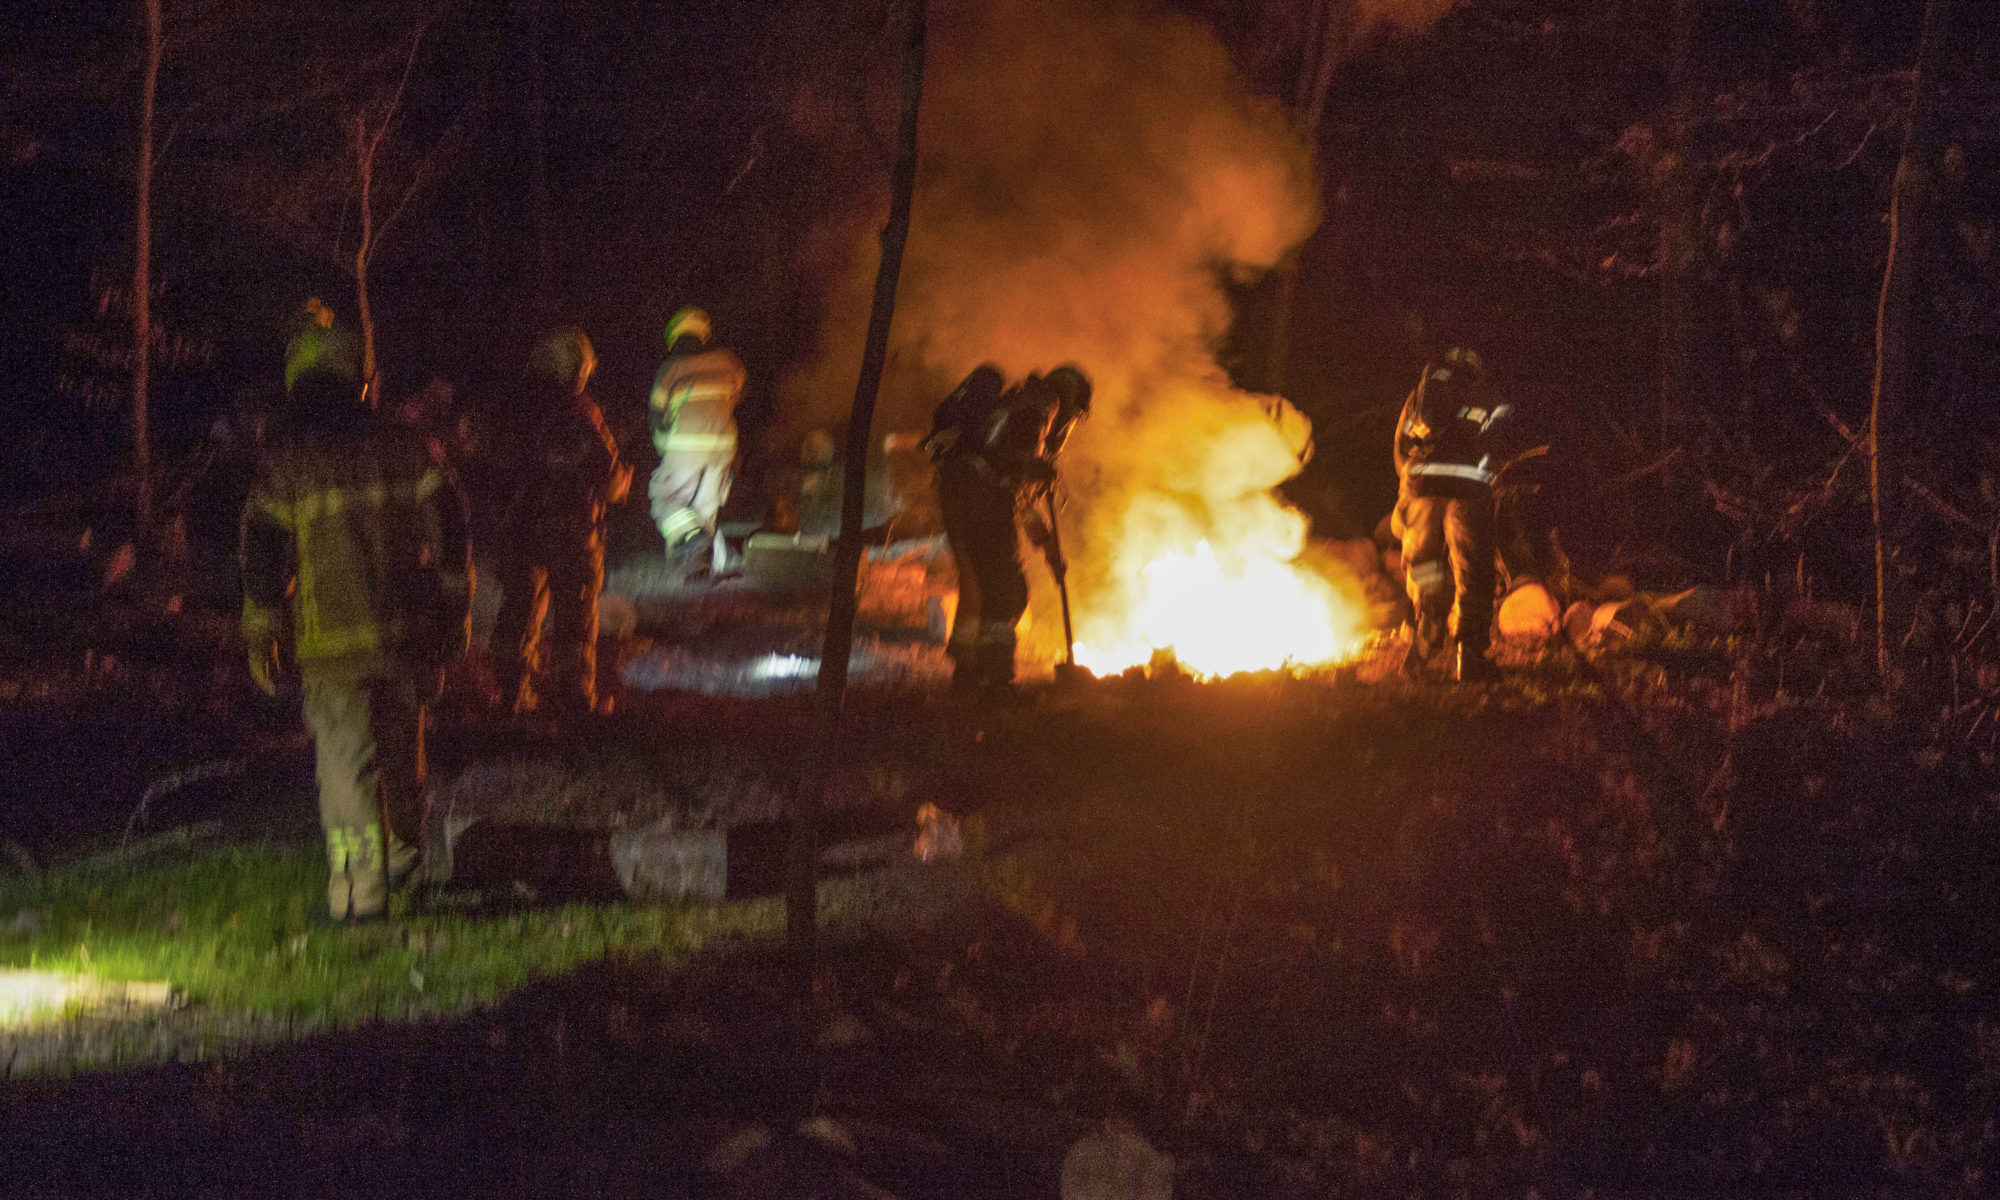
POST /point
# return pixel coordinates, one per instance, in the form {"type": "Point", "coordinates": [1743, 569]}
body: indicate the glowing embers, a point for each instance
{"type": "Point", "coordinates": [38, 997]}
{"type": "Point", "coordinates": [1258, 613]}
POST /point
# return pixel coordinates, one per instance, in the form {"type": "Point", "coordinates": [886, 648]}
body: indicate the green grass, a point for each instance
{"type": "Point", "coordinates": [232, 929]}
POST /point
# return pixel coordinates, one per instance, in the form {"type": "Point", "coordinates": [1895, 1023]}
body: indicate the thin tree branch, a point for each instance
{"type": "Point", "coordinates": [402, 83]}
{"type": "Point", "coordinates": [1943, 507]}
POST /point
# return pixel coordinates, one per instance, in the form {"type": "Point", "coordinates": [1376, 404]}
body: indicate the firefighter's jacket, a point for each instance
{"type": "Point", "coordinates": [354, 547]}
{"type": "Point", "coordinates": [693, 405]}
{"type": "Point", "coordinates": [1005, 446]}
{"type": "Point", "coordinates": [561, 472]}
{"type": "Point", "coordinates": [1445, 436]}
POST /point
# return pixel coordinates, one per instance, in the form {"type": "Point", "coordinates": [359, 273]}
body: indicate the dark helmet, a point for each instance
{"type": "Point", "coordinates": [564, 357]}
{"type": "Point", "coordinates": [1071, 387]}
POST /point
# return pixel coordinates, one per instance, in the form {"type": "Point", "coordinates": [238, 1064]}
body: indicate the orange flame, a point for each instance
{"type": "Point", "coordinates": [1197, 556]}
{"type": "Point", "coordinates": [1220, 619]}
{"type": "Point", "coordinates": [1092, 176]}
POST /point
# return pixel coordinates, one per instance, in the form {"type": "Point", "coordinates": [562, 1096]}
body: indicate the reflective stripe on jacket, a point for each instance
{"type": "Point", "coordinates": [695, 395]}
{"type": "Point", "coordinates": [1451, 443]}
{"type": "Point", "coordinates": [1479, 472]}
{"type": "Point", "coordinates": [678, 442]}
{"type": "Point", "coordinates": [360, 538]}
{"type": "Point", "coordinates": [1005, 447]}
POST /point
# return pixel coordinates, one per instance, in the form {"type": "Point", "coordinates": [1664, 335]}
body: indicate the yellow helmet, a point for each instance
{"type": "Point", "coordinates": [1466, 358]}
{"type": "Point", "coordinates": [689, 322]}
{"type": "Point", "coordinates": [818, 449]}
{"type": "Point", "coordinates": [563, 356]}
{"type": "Point", "coordinates": [321, 349]}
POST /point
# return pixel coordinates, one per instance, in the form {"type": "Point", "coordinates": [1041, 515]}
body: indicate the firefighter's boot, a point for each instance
{"type": "Point", "coordinates": [1474, 666]}
{"type": "Point", "coordinates": [996, 668]}
{"type": "Point", "coordinates": [1426, 639]}
{"type": "Point", "coordinates": [357, 887]}
{"type": "Point", "coordinates": [406, 863]}
{"type": "Point", "coordinates": [339, 893]}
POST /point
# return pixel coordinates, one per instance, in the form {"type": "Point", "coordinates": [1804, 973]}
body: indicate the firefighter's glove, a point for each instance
{"type": "Point", "coordinates": [264, 669]}
{"type": "Point", "coordinates": [262, 638]}
{"type": "Point", "coordinates": [1037, 529]}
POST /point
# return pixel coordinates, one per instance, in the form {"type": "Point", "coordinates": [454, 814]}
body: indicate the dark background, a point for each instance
{"type": "Point", "coordinates": [1496, 179]}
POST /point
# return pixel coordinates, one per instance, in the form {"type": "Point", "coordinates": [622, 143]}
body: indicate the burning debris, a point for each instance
{"type": "Point", "coordinates": [1092, 180]}
{"type": "Point", "coordinates": [1193, 606]}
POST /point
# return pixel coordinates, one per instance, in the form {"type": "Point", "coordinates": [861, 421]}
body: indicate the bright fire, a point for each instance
{"type": "Point", "coordinates": [1219, 619]}
{"type": "Point", "coordinates": [1130, 200]}
{"type": "Point", "coordinates": [1195, 552]}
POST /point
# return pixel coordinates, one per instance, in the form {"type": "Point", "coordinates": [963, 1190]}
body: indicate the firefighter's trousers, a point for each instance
{"type": "Point", "coordinates": [1447, 556]}
{"type": "Point", "coordinates": [560, 584]}
{"type": "Point", "coordinates": [366, 717]}
{"type": "Point", "coordinates": [688, 490]}
{"type": "Point", "coordinates": [992, 590]}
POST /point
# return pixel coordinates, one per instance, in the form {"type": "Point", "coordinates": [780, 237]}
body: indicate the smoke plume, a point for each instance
{"type": "Point", "coordinates": [1091, 176]}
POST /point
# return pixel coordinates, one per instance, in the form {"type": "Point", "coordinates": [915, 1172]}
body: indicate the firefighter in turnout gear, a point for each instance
{"type": "Point", "coordinates": [357, 574]}
{"type": "Point", "coordinates": [995, 449]}
{"type": "Point", "coordinates": [1444, 509]}
{"type": "Point", "coordinates": [693, 419]}
{"type": "Point", "coordinates": [562, 470]}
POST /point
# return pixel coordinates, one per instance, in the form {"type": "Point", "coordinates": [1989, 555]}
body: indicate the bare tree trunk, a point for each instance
{"type": "Point", "coordinates": [142, 278]}
{"type": "Point", "coordinates": [364, 169]}
{"type": "Point", "coordinates": [1882, 356]}
{"type": "Point", "coordinates": [801, 893]}
{"type": "Point", "coordinates": [1329, 27]}
{"type": "Point", "coordinates": [1912, 202]}
{"type": "Point", "coordinates": [366, 144]}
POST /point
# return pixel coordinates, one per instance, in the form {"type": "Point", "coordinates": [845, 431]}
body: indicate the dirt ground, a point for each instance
{"type": "Point", "coordinates": [1603, 930]}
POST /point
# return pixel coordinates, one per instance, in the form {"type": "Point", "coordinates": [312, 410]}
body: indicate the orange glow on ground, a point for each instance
{"type": "Point", "coordinates": [1258, 613]}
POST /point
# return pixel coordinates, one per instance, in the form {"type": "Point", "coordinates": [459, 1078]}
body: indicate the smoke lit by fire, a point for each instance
{"type": "Point", "coordinates": [1091, 177]}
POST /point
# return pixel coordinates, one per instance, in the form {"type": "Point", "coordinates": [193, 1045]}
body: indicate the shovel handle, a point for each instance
{"type": "Point", "coordinates": [1059, 567]}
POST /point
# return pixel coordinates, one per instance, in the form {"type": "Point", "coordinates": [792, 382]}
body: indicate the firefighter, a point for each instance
{"type": "Point", "coordinates": [1444, 509]}
{"type": "Point", "coordinates": [1064, 394]}
{"type": "Point", "coordinates": [693, 419]}
{"type": "Point", "coordinates": [356, 572]}
{"type": "Point", "coordinates": [561, 469]}
{"type": "Point", "coordinates": [995, 460]}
